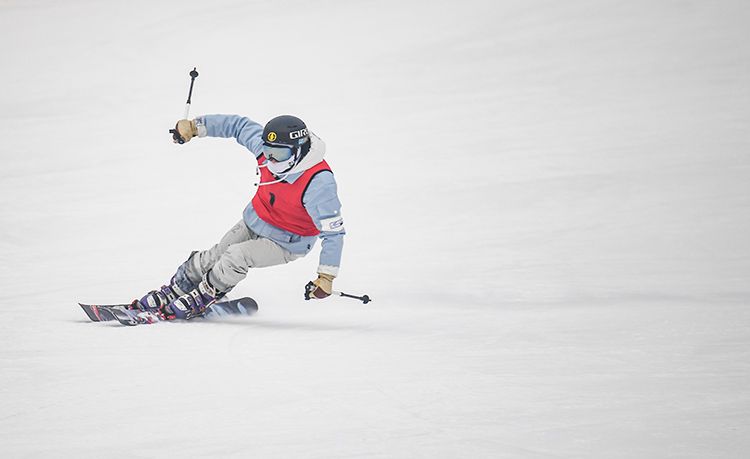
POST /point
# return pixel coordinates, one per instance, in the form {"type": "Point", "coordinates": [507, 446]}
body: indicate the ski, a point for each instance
{"type": "Point", "coordinates": [130, 314]}
{"type": "Point", "coordinates": [240, 307]}
{"type": "Point", "coordinates": [103, 312]}
{"type": "Point", "coordinates": [98, 313]}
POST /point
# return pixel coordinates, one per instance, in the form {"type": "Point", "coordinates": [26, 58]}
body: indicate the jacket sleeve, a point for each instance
{"type": "Point", "coordinates": [323, 205]}
{"type": "Point", "coordinates": [247, 132]}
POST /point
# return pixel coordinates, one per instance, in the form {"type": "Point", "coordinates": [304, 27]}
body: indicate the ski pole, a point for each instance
{"type": "Point", "coordinates": [175, 133]}
{"type": "Point", "coordinates": [310, 287]}
{"type": "Point", "coordinates": [364, 298]}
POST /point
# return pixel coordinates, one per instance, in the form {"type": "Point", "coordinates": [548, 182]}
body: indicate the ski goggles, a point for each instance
{"type": "Point", "coordinates": [277, 153]}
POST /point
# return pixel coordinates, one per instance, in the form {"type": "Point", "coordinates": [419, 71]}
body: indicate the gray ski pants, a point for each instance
{"type": "Point", "coordinates": [229, 260]}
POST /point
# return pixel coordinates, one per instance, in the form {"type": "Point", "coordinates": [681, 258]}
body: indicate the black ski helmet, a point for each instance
{"type": "Point", "coordinates": [286, 130]}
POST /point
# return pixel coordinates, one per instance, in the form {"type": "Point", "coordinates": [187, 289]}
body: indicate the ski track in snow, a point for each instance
{"type": "Point", "coordinates": [548, 203]}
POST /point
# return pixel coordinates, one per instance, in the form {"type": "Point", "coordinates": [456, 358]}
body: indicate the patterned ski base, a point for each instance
{"type": "Point", "coordinates": [126, 314]}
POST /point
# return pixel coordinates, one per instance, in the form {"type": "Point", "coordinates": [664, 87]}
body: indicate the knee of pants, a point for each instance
{"type": "Point", "coordinates": [234, 259]}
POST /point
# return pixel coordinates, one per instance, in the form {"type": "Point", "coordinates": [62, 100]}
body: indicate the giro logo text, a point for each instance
{"type": "Point", "coordinates": [298, 134]}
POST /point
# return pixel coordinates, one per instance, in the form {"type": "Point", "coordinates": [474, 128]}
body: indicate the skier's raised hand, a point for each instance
{"type": "Point", "coordinates": [183, 131]}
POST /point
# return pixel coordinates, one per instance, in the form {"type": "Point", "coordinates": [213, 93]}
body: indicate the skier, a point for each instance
{"type": "Point", "coordinates": [296, 202]}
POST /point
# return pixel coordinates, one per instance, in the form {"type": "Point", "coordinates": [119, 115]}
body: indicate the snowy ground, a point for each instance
{"type": "Point", "coordinates": [548, 201]}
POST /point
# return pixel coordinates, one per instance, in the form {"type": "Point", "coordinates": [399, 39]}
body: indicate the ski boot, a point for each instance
{"type": "Point", "coordinates": [156, 300]}
{"type": "Point", "coordinates": [193, 303]}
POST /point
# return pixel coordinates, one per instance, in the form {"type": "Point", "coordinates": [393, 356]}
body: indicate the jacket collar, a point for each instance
{"type": "Point", "coordinates": [313, 157]}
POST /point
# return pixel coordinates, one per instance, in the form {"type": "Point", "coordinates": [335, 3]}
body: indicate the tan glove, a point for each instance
{"type": "Point", "coordinates": [184, 130]}
{"type": "Point", "coordinates": [323, 286]}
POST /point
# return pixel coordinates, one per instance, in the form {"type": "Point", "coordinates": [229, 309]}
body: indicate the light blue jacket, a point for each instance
{"type": "Point", "coordinates": [320, 199]}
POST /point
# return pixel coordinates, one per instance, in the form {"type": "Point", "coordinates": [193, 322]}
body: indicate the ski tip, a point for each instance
{"type": "Point", "coordinates": [91, 312]}
{"type": "Point", "coordinates": [248, 303]}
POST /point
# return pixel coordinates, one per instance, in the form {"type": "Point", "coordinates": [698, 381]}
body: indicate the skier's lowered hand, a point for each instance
{"type": "Point", "coordinates": [323, 286]}
{"type": "Point", "coordinates": [184, 130]}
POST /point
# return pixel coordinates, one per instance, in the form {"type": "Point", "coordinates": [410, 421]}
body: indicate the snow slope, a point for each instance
{"type": "Point", "coordinates": [548, 201]}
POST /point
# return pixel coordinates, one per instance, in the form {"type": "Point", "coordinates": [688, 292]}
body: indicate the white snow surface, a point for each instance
{"type": "Point", "coordinates": [549, 203]}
